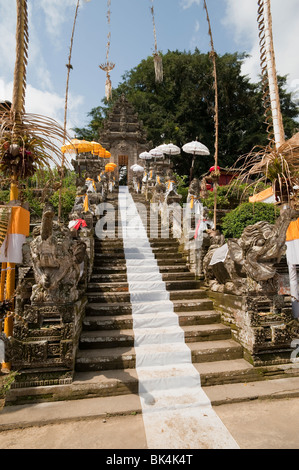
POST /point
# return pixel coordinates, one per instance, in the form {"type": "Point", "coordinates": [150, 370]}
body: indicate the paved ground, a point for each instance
{"type": "Point", "coordinates": [270, 421]}
{"type": "Point", "coordinates": [267, 424]}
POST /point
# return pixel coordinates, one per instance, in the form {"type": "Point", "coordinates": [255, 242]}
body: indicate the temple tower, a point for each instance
{"type": "Point", "coordinates": [124, 136]}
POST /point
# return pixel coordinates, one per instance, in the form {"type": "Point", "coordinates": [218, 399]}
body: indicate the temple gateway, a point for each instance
{"type": "Point", "coordinates": [124, 136]}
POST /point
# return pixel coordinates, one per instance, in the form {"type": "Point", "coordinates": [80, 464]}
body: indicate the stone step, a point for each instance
{"type": "Point", "coordinates": [124, 286]}
{"type": "Point", "coordinates": [125, 357]}
{"type": "Point", "coordinates": [121, 268]}
{"type": "Point", "coordinates": [125, 381]}
{"type": "Point", "coordinates": [223, 381]}
{"type": "Point", "coordinates": [100, 262]}
{"type": "Point", "coordinates": [117, 251]}
{"type": "Point", "coordinates": [159, 253]}
{"type": "Point", "coordinates": [125, 308]}
{"type": "Point", "coordinates": [123, 277]}
{"type": "Point", "coordinates": [159, 295]}
{"type": "Point", "coordinates": [111, 322]}
{"type": "Point", "coordinates": [118, 242]}
{"type": "Point", "coordinates": [115, 235]}
{"type": "Point", "coordinates": [96, 339]}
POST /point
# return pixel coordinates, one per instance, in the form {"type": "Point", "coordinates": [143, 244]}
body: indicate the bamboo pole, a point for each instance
{"type": "Point", "coordinates": [216, 118]}
{"type": "Point", "coordinates": [69, 67]}
{"type": "Point", "coordinates": [272, 77]}
{"type": "Point", "coordinates": [17, 110]}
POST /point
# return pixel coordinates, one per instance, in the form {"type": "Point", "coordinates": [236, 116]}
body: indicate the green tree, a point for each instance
{"type": "Point", "coordinates": [91, 132]}
{"type": "Point", "coordinates": [180, 109]}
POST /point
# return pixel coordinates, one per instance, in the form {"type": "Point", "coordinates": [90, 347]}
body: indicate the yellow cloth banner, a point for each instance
{"type": "Point", "coordinates": [293, 231]}
{"type": "Point", "coordinates": [262, 195]}
{"type": "Point", "coordinates": [169, 183]}
{"type": "Point", "coordinates": [85, 205]}
{"type": "Point", "coordinates": [93, 183]}
{"type": "Point", "coordinates": [20, 221]}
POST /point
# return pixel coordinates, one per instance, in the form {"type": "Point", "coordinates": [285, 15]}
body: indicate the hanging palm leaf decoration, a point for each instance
{"type": "Point", "coordinates": [158, 62]}
{"type": "Point", "coordinates": [5, 214]}
{"type": "Point", "coordinates": [108, 66]}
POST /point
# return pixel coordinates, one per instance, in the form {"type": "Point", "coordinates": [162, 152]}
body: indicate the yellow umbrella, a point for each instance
{"type": "Point", "coordinates": [77, 146]}
{"type": "Point", "coordinates": [110, 167]}
{"type": "Point", "coordinates": [107, 154]}
{"type": "Point", "coordinates": [100, 153]}
{"type": "Point", "coordinates": [97, 149]}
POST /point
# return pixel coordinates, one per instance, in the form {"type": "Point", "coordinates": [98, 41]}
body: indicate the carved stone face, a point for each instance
{"type": "Point", "coordinates": [258, 249]}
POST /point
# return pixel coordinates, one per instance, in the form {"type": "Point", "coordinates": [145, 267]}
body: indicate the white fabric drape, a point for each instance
{"type": "Point", "coordinates": [177, 413]}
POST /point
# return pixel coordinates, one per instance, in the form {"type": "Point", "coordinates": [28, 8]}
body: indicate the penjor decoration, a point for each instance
{"type": "Point", "coordinates": [108, 66]}
{"type": "Point", "coordinates": [157, 58]}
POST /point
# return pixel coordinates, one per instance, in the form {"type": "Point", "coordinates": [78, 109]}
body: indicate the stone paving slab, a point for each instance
{"type": "Point", "coordinates": [20, 416]}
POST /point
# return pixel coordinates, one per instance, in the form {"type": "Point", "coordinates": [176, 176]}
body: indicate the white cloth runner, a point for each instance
{"type": "Point", "coordinates": [177, 414]}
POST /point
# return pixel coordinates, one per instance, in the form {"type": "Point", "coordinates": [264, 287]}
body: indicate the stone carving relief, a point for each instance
{"type": "Point", "coordinates": [247, 264]}
{"type": "Point", "coordinates": [57, 262]}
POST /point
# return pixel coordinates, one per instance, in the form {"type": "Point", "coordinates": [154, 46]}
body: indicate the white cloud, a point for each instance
{"type": "Point", "coordinates": [241, 19]}
{"type": "Point", "coordinates": [56, 13]}
{"type": "Point", "coordinates": [7, 35]}
{"type": "Point", "coordinates": [46, 103]}
{"type": "Point", "coordinates": [5, 90]}
{"type": "Point", "coordinates": [188, 3]}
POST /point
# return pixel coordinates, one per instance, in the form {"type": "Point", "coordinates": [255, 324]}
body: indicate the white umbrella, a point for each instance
{"type": "Point", "coordinates": [169, 149]}
{"type": "Point", "coordinates": [145, 156]}
{"type": "Point", "coordinates": [137, 168]}
{"type": "Point", "coordinates": [195, 148]}
{"type": "Point", "coordinates": [156, 153]}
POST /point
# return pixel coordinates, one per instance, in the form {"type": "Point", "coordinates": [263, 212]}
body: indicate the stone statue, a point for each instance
{"type": "Point", "coordinates": [193, 193]}
{"type": "Point", "coordinates": [57, 262]}
{"type": "Point", "coordinates": [248, 263]}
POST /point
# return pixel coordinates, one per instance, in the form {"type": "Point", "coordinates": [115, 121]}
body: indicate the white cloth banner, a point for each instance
{"type": "Point", "coordinates": [219, 255]}
{"type": "Point", "coordinates": [177, 414]}
{"type": "Point", "coordinates": [12, 248]}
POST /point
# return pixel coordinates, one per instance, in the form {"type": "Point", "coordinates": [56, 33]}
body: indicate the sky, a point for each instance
{"type": "Point", "coordinates": [180, 25]}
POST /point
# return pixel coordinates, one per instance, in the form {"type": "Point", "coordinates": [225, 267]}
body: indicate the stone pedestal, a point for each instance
{"type": "Point", "coordinates": [262, 324]}
{"type": "Point", "coordinates": [45, 342]}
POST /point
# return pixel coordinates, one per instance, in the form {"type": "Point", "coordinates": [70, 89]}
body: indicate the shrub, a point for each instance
{"type": "Point", "coordinates": [230, 196]}
{"type": "Point", "coordinates": [246, 214]}
{"type": "Point", "coordinates": [68, 196]}
{"type": "Point", "coordinates": [182, 187]}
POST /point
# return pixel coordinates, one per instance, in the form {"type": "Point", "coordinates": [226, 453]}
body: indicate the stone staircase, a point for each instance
{"type": "Point", "coordinates": [105, 363]}
{"type": "Point", "coordinates": [106, 358]}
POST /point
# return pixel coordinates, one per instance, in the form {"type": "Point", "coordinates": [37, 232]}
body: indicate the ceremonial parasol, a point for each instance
{"type": "Point", "coordinates": [169, 149]}
{"type": "Point", "coordinates": [110, 167]}
{"type": "Point", "coordinates": [137, 168]}
{"type": "Point", "coordinates": [77, 146]}
{"type": "Point", "coordinates": [195, 148]}
{"type": "Point", "coordinates": [145, 156]}
{"type": "Point", "coordinates": [156, 153]}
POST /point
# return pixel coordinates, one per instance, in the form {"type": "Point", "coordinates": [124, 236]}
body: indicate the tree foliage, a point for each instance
{"type": "Point", "coordinates": [32, 187]}
{"type": "Point", "coordinates": [181, 108]}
